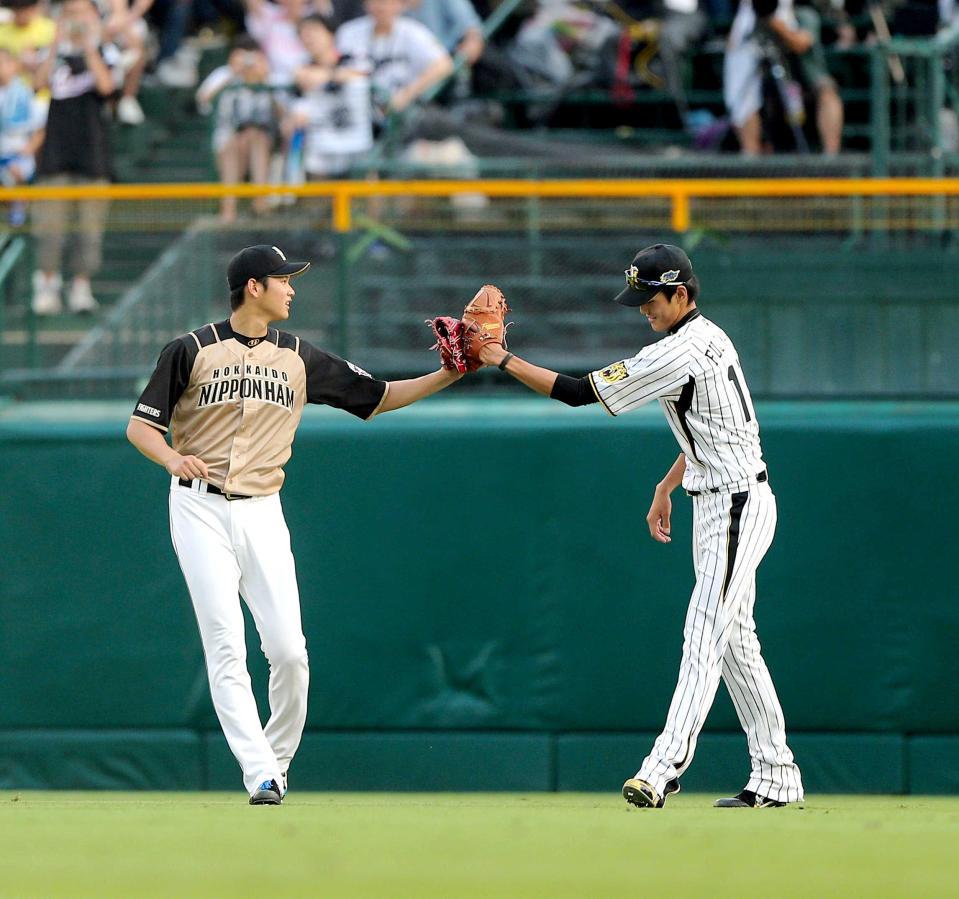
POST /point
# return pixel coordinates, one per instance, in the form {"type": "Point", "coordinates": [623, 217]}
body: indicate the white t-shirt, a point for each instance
{"type": "Point", "coordinates": [394, 60]}
{"type": "Point", "coordinates": [339, 126]}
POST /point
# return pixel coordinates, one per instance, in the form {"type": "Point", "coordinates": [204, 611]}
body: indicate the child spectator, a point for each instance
{"type": "Point", "coordinates": [21, 129]}
{"type": "Point", "coordinates": [80, 73]}
{"type": "Point", "coordinates": [248, 112]}
{"type": "Point", "coordinates": [334, 111]}
{"type": "Point", "coordinates": [28, 34]}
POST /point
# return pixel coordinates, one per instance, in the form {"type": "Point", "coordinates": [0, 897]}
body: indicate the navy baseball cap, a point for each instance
{"type": "Point", "coordinates": [661, 265]}
{"type": "Point", "coordinates": [260, 262]}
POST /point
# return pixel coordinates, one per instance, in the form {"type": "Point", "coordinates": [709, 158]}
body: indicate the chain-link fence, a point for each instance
{"type": "Point", "coordinates": [829, 288]}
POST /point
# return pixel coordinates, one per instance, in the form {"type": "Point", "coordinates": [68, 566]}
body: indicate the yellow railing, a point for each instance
{"type": "Point", "coordinates": [678, 192]}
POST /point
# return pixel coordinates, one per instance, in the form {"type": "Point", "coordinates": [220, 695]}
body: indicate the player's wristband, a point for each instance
{"type": "Point", "coordinates": [505, 362]}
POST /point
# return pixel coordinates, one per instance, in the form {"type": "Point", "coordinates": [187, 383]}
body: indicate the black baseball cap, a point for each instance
{"type": "Point", "coordinates": [260, 262]}
{"type": "Point", "coordinates": [661, 265]}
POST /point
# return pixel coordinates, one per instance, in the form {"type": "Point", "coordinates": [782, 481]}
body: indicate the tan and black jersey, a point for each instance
{"type": "Point", "coordinates": [235, 402]}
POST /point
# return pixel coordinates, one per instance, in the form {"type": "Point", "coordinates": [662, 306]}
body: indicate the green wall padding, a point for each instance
{"type": "Point", "coordinates": [571, 618]}
{"type": "Point", "coordinates": [934, 765]}
{"type": "Point", "coordinates": [101, 760]}
{"type": "Point", "coordinates": [830, 763]}
{"type": "Point", "coordinates": [451, 762]}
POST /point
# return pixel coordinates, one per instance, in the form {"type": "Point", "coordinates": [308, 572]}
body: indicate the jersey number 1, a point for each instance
{"type": "Point", "coordinates": [742, 398]}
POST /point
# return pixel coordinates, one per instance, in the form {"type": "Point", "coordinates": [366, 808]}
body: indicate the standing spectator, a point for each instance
{"type": "Point", "coordinates": [28, 34]}
{"type": "Point", "coordinates": [403, 58]}
{"type": "Point", "coordinates": [769, 20]}
{"type": "Point", "coordinates": [275, 26]}
{"type": "Point", "coordinates": [334, 110]}
{"type": "Point", "coordinates": [76, 150]}
{"type": "Point", "coordinates": [247, 119]}
{"type": "Point", "coordinates": [21, 129]}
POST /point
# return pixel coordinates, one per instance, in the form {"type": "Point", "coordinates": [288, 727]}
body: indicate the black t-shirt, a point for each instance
{"type": "Point", "coordinates": [77, 140]}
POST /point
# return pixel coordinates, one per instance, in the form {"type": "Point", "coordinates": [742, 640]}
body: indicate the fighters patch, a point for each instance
{"type": "Point", "coordinates": [616, 372]}
{"type": "Point", "coordinates": [359, 370]}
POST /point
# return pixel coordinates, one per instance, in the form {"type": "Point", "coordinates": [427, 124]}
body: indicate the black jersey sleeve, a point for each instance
{"type": "Point", "coordinates": [573, 391]}
{"type": "Point", "coordinates": [332, 381]}
{"type": "Point", "coordinates": [166, 385]}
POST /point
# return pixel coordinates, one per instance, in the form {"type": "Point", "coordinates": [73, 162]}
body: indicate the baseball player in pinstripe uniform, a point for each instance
{"type": "Point", "coordinates": [695, 374]}
{"type": "Point", "coordinates": [232, 393]}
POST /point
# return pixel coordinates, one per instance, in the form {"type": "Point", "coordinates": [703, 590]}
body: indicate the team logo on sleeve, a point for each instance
{"type": "Point", "coordinates": [616, 372]}
{"type": "Point", "coordinates": [359, 370]}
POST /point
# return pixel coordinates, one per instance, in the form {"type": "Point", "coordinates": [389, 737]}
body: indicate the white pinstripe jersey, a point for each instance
{"type": "Point", "coordinates": [695, 374]}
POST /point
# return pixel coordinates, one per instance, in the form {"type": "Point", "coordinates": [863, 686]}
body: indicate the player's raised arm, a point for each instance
{"type": "Point", "coordinates": [404, 393]}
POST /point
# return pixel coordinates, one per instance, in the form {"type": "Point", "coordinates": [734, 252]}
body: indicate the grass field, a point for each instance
{"type": "Point", "coordinates": [444, 845]}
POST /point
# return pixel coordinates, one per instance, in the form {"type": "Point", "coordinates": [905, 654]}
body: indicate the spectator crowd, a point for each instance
{"type": "Point", "coordinates": [309, 86]}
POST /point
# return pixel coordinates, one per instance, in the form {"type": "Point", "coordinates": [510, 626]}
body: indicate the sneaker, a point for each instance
{"type": "Point", "coordinates": [130, 112]}
{"type": "Point", "coordinates": [179, 70]}
{"type": "Point", "coordinates": [46, 294]}
{"type": "Point", "coordinates": [81, 298]}
{"type": "Point", "coordinates": [641, 794]}
{"type": "Point", "coordinates": [267, 793]}
{"type": "Point", "coordinates": [749, 799]}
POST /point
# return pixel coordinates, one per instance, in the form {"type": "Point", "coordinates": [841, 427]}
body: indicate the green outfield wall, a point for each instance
{"type": "Point", "coordinates": [550, 666]}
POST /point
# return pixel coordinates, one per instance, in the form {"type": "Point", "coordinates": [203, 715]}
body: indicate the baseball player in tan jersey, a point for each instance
{"type": "Point", "coordinates": [694, 373]}
{"type": "Point", "coordinates": [232, 393]}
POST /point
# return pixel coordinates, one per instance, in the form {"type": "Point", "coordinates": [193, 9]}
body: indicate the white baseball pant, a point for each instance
{"type": "Point", "coordinates": [731, 534]}
{"type": "Point", "coordinates": [228, 549]}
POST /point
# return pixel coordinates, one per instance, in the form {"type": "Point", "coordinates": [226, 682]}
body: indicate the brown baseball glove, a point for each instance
{"type": "Point", "coordinates": [449, 332]}
{"type": "Point", "coordinates": [484, 323]}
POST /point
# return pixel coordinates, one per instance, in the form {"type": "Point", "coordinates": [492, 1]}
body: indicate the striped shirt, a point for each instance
{"type": "Point", "coordinates": [695, 374]}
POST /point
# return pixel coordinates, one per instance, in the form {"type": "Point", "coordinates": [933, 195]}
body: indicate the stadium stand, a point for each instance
{"type": "Point", "coordinates": [630, 129]}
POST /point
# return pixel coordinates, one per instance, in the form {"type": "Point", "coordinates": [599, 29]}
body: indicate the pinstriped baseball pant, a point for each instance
{"type": "Point", "coordinates": [731, 534]}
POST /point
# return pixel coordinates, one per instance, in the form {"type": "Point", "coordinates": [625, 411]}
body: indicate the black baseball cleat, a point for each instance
{"type": "Point", "coordinates": [267, 793]}
{"type": "Point", "coordinates": [643, 795]}
{"type": "Point", "coordinates": [749, 799]}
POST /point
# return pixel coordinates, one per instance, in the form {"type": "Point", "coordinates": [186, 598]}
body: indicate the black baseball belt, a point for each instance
{"type": "Point", "coordinates": [761, 478]}
{"type": "Point", "coordinates": [216, 491]}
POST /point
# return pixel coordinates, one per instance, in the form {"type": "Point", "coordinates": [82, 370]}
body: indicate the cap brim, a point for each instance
{"type": "Point", "coordinates": [630, 297]}
{"type": "Point", "coordinates": [291, 269]}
